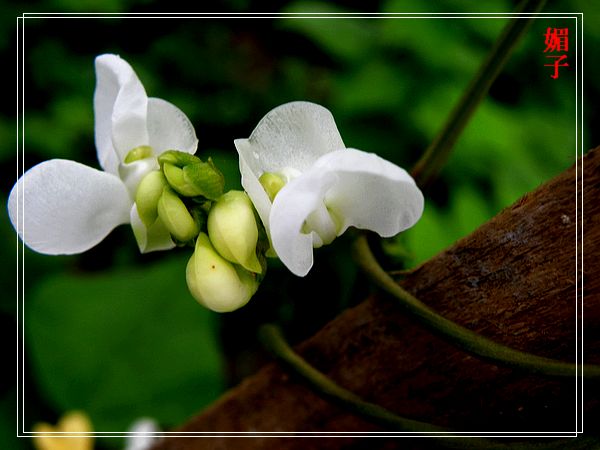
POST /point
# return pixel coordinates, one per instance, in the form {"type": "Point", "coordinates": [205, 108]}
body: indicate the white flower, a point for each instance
{"type": "Point", "coordinates": [324, 187]}
{"type": "Point", "coordinates": [64, 207]}
{"type": "Point", "coordinates": [144, 433]}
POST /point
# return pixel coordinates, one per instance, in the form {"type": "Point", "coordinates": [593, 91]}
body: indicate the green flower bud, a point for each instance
{"type": "Point", "coordinates": [176, 179]}
{"type": "Point", "coordinates": [190, 176]}
{"type": "Point", "coordinates": [206, 177]}
{"type": "Point", "coordinates": [216, 283]}
{"type": "Point", "coordinates": [176, 216]}
{"type": "Point", "coordinates": [233, 230]}
{"type": "Point", "coordinates": [147, 196]}
{"type": "Point", "coordinates": [271, 183]}
{"type": "Point", "coordinates": [141, 152]}
{"type": "Point", "coordinates": [177, 158]}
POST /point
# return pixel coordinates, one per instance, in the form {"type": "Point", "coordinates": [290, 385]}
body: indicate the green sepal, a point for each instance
{"type": "Point", "coordinates": [200, 216]}
{"type": "Point", "coordinates": [190, 176]}
{"type": "Point", "coordinates": [177, 158]}
{"type": "Point", "coordinates": [205, 177]}
{"type": "Point", "coordinates": [177, 180]}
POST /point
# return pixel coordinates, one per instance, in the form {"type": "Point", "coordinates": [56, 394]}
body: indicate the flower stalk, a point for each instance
{"type": "Point", "coordinates": [436, 155]}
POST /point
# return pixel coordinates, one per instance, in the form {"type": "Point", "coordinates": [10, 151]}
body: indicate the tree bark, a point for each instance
{"type": "Point", "coordinates": [514, 280]}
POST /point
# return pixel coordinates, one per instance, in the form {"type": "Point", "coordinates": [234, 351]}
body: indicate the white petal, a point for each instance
{"type": "Point", "coordinates": [155, 238]}
{"type": "Point", "coordinates": [169, 128]}
{"type": "Point", "coordinates": [371, 193]}
{"type": "Point", "coordinates": [256, 192]}
{"type": "Point", "coordinates": [120, 109]}
{"type": "Point", "coordinates": [132, 173]}
{"type": "Point", "coordinates": [63, 207]}
{"type": "Point", "coordinates": [292, 135]}
{"type": "Point", "coordinates": [145, 435]}
{"type": "Point", "coordinates": [296, 201]}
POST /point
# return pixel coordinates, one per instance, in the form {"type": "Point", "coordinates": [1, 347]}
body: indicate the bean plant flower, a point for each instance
{"type": "Point", "coordinates": [308, 188]}
{"type": "Point", "coordinates": [64, 207]}
{"type": "Point", "coordinates": [74, 431]}
{"type": "Point", "coordinates": [142, 434]}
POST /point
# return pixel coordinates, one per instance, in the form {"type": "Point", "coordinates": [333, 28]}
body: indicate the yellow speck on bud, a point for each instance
{"type": "Point", "coordinates": [271, 183]}
{"type": "Point", "coordinates": [176, 216]}
{"type": "Point", "coordinates": [141, 152]}
{"type": "Point", "coordinates": [233, 230]}
{"type": "Point", "coordinates": [147, 196]}
{"type": "Point", "coordinates": [75, 423]}
{"type": "Point", "coordinates": [216, 283]}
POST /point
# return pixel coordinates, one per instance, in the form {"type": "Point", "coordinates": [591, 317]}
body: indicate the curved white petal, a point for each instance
{"type": "Point", "coordinates": [256, 192]}
{"type": "Point", "coordinates": [169, 128]}
{"type": "Point", "coordinates": [152, 239]}
{"type": "Point", "coordinates": [64, 207]}
{"type": "Point", "coordinates": [120, 110]}
{"type": "Point", "coordinates": [292, 135]}
{"type": "Point", "coordinates": [144, 435]}
{"type": "Point", "coordinates": [132, 173]}
{"type": "Point", "coordinates": [370, 193]}
{"type": "Point", "coordinates": [293, 205]}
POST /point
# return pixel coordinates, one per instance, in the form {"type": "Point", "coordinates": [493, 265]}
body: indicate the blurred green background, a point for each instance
{"type": "Point", "coordinates": [115, 333]}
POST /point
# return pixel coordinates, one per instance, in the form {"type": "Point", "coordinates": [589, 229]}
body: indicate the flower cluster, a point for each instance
{"type": "Point", "coordinates": [303, 188]}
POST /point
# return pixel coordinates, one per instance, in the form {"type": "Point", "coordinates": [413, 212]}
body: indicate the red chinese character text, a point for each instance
{"type": "Point", "coordinates": [557, 40]}
{"type": "Point", "coordinates": [557, 64]}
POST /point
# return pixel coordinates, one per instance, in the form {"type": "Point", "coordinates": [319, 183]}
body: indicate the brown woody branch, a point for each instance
{"type": "Point", "coordinates": [513, 280]}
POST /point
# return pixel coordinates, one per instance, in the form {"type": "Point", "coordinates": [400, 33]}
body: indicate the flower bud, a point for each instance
{"type": "Point", "coordinates": [147, 196]}
{"type": "Point", "coordinates": [175, 177]}
{"type": "Point", "coordinates": [233, 231]}
{"type": "Point", "coordinates": [138, 153]}
{"type": "Point", "coordinates": [177, 158]}
{"type": "Point", "coordinates": [216, 283]}
{"type": "Point", "coordinates": [176, 216]}
{"type": "Point", "coordinates": [190, 176]}
{"type": "Point", "coordinates": [271, 183]}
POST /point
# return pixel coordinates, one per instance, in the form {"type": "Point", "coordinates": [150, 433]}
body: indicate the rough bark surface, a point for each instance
{"type": "Point", "coordinates": [512, 280]}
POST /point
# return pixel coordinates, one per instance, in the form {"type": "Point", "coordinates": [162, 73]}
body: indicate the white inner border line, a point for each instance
{"type": "Point", "coordinates": [21, 162]}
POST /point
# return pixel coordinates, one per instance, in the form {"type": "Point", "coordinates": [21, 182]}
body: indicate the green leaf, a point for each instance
{"type": "Point", "coordinates": [346, 39]}
{"type": "Point", "coordinates": [374, 87]}
{"type": "Point", "coordinates": [428, 237]}
{"type": "Point", "coordinates": [437, 230]}
{"type": "Point", "coordinates": [8, 421]}
{"type": "Point", "coordinates": [122, 345]}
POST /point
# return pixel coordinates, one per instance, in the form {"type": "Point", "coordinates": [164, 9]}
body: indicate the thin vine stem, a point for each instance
{"type": "Point", "coordinates": [462, 337]}
{"type": "Point", "coordinates": [436, 155]}
{"type": "Point", "coordinates": [273, 339]}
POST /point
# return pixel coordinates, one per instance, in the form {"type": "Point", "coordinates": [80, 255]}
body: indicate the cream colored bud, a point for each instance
{"type": "Point", "coordinates": [176, 216]}
{"type": "Point", "coordinates": [233, 230]}
{"type": "Point", "coordinates": [147, 196]}
{"type": "Point", "coordinates": [216, 283]}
